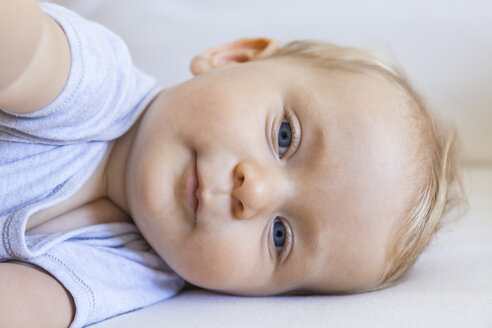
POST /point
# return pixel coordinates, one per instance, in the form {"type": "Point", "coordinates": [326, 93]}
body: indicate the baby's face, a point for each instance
{"type": "Point", "coordinates": [300, 177]}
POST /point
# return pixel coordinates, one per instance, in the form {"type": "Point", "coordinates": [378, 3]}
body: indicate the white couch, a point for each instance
{"type": "Point", "coordinates": [445, 48]}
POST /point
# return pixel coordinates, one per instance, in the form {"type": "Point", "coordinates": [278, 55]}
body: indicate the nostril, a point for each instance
{"type": "Point", "coordinates": [240, 207]}
{"type": "Point", "coordinates": [239, 180]}
{"type": "Point", "coordinates": [239, 210]}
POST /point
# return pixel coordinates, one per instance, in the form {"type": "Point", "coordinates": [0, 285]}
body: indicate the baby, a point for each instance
{"type": "Point", "coordinates": [307, 168]}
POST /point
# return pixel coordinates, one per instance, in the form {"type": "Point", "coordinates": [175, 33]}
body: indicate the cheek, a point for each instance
{"type": "Point", "coordinates": [214, 112]}
{"type": "Point", "coordinates": [215, 263]}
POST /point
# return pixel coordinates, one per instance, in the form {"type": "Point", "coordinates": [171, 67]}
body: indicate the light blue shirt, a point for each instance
{"type": "Point", "coordinates": [47, 155]}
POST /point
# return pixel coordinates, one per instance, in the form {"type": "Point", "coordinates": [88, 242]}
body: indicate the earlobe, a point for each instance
{"type": "Point", "coordinates": [239, 51]}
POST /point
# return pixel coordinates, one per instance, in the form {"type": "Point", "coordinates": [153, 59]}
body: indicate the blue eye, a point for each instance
{"type": "Point", "coordinates": [279, 234]}
{"type": "Point", "coordinates": [284, 138]}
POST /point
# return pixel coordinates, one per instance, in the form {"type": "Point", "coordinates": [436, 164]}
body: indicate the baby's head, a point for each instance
{"type": "Point", "coordinates": [319, 170]}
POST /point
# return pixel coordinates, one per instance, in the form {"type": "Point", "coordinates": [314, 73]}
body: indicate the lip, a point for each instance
{"type": "Point", "coordinates": [192, 184]}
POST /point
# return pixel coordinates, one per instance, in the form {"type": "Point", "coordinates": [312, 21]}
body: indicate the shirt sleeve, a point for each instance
{"type": "Point", "coordinates": [102, 98]}
{"type": "Point", "coordinates": [109, 269]}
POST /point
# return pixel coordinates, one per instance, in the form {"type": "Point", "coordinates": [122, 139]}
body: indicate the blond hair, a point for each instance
{"type": "Point", "coordinates": [440, 189]}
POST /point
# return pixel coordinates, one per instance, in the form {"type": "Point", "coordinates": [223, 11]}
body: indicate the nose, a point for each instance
{"type": "Point", "coordinates": [256, 189]}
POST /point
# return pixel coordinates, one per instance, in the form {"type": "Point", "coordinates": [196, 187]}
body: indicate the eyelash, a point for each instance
{"type": "Point", "coordinates": [295, 134]}
{"type": "Point", "coordinates": [288, 239]}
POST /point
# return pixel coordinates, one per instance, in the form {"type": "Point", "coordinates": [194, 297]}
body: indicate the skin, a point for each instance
{"type": "Point", "coordinates": [330, 189]}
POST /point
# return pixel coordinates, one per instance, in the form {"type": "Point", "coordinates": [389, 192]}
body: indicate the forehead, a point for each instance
{"type": "Point", "coordinates": [352, 174]}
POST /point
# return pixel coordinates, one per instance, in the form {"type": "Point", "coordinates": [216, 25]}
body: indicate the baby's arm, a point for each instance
{"type": "Point", "coordinates": [32, 298]}
{"type": "Point", "coordinates": [34, 57]}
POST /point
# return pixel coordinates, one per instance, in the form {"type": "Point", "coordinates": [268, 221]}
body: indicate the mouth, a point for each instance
{"type": "Point", "coordinates": [192, 184]}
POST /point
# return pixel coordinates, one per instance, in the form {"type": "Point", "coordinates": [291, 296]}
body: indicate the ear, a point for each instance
{"type": "Point", "coordinates": [239, 51]}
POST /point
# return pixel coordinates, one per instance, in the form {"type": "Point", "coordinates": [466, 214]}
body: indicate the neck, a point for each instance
{"type": "Point", "coordinates": [115, 171]}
